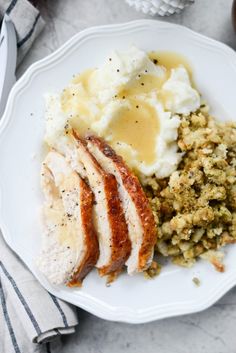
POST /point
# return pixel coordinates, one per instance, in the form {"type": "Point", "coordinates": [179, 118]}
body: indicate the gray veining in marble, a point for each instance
{"type": "Point", "coordinates": [211, 331]}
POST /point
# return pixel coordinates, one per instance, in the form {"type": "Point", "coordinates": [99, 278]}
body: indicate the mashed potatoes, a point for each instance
{"type": "Point", "coordinates": [132, 103]}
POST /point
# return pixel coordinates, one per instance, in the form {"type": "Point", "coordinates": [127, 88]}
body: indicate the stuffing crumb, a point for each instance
{"type": "Point", "coordinates": [215, 258]}
{"type": "Point", "coordinates": [196, 281]}
{"type": "Point", "coordinates": [153, 270]}
{"type": "Point", "coordinates": [195, 208]}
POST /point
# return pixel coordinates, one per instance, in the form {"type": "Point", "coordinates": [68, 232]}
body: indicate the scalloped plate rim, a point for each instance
{"type": "Point", "coordinates": [92, 305]}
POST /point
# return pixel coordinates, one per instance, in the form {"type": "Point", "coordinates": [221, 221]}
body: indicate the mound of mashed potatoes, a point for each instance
{"type": "Point", "coordinates": [131, 101]}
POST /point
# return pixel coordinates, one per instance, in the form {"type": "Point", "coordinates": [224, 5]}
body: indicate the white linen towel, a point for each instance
{"type": "Point", "coordinates": [28, 313]}
{"type": "Point", "coordinates": [27, 21]}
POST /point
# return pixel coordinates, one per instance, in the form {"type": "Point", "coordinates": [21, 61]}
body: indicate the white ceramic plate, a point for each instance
{"type": "Point", "coordinates": [129, 299]}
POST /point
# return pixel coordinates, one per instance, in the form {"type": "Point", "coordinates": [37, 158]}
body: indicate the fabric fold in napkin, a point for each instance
{"type": "Point", "coordinates": [27, 21]}
{"type": "Point", "coordinates": [26, 303]}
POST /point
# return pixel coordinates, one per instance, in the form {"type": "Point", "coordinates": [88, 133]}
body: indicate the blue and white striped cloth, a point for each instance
{"type": "Point", "coordinates": [27, 21]}
{"type": "Point", "coordinates": [29, 315]}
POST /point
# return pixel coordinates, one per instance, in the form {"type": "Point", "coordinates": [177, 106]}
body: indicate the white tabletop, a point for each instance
{"type": "Point", "coordinates": [212, 331]}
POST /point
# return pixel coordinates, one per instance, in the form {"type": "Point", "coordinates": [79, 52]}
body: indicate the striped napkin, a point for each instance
{"type": "Point", "coordinates": [27, 21]}
{"type": "Point", "coordinates": [29, 315]}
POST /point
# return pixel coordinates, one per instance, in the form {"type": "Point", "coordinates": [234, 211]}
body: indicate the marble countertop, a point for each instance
{"type": "Point", "coordinates": [206, 332]}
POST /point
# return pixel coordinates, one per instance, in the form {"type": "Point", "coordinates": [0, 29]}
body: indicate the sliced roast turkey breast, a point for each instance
{"type": "Point", "coordinates": [109, 220]}
{"type": "Point", "coordinates": [70, 247]}
{"type": "Point", "coordinates": [138, 213]}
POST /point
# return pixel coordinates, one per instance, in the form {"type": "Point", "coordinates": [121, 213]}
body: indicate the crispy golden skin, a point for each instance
{"type": "Point", "coordinates": [143, 212]}
{"type": "Point", "coordinates": [119, 242]}
{"type": "Point", "coordinates": [92, 248]}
